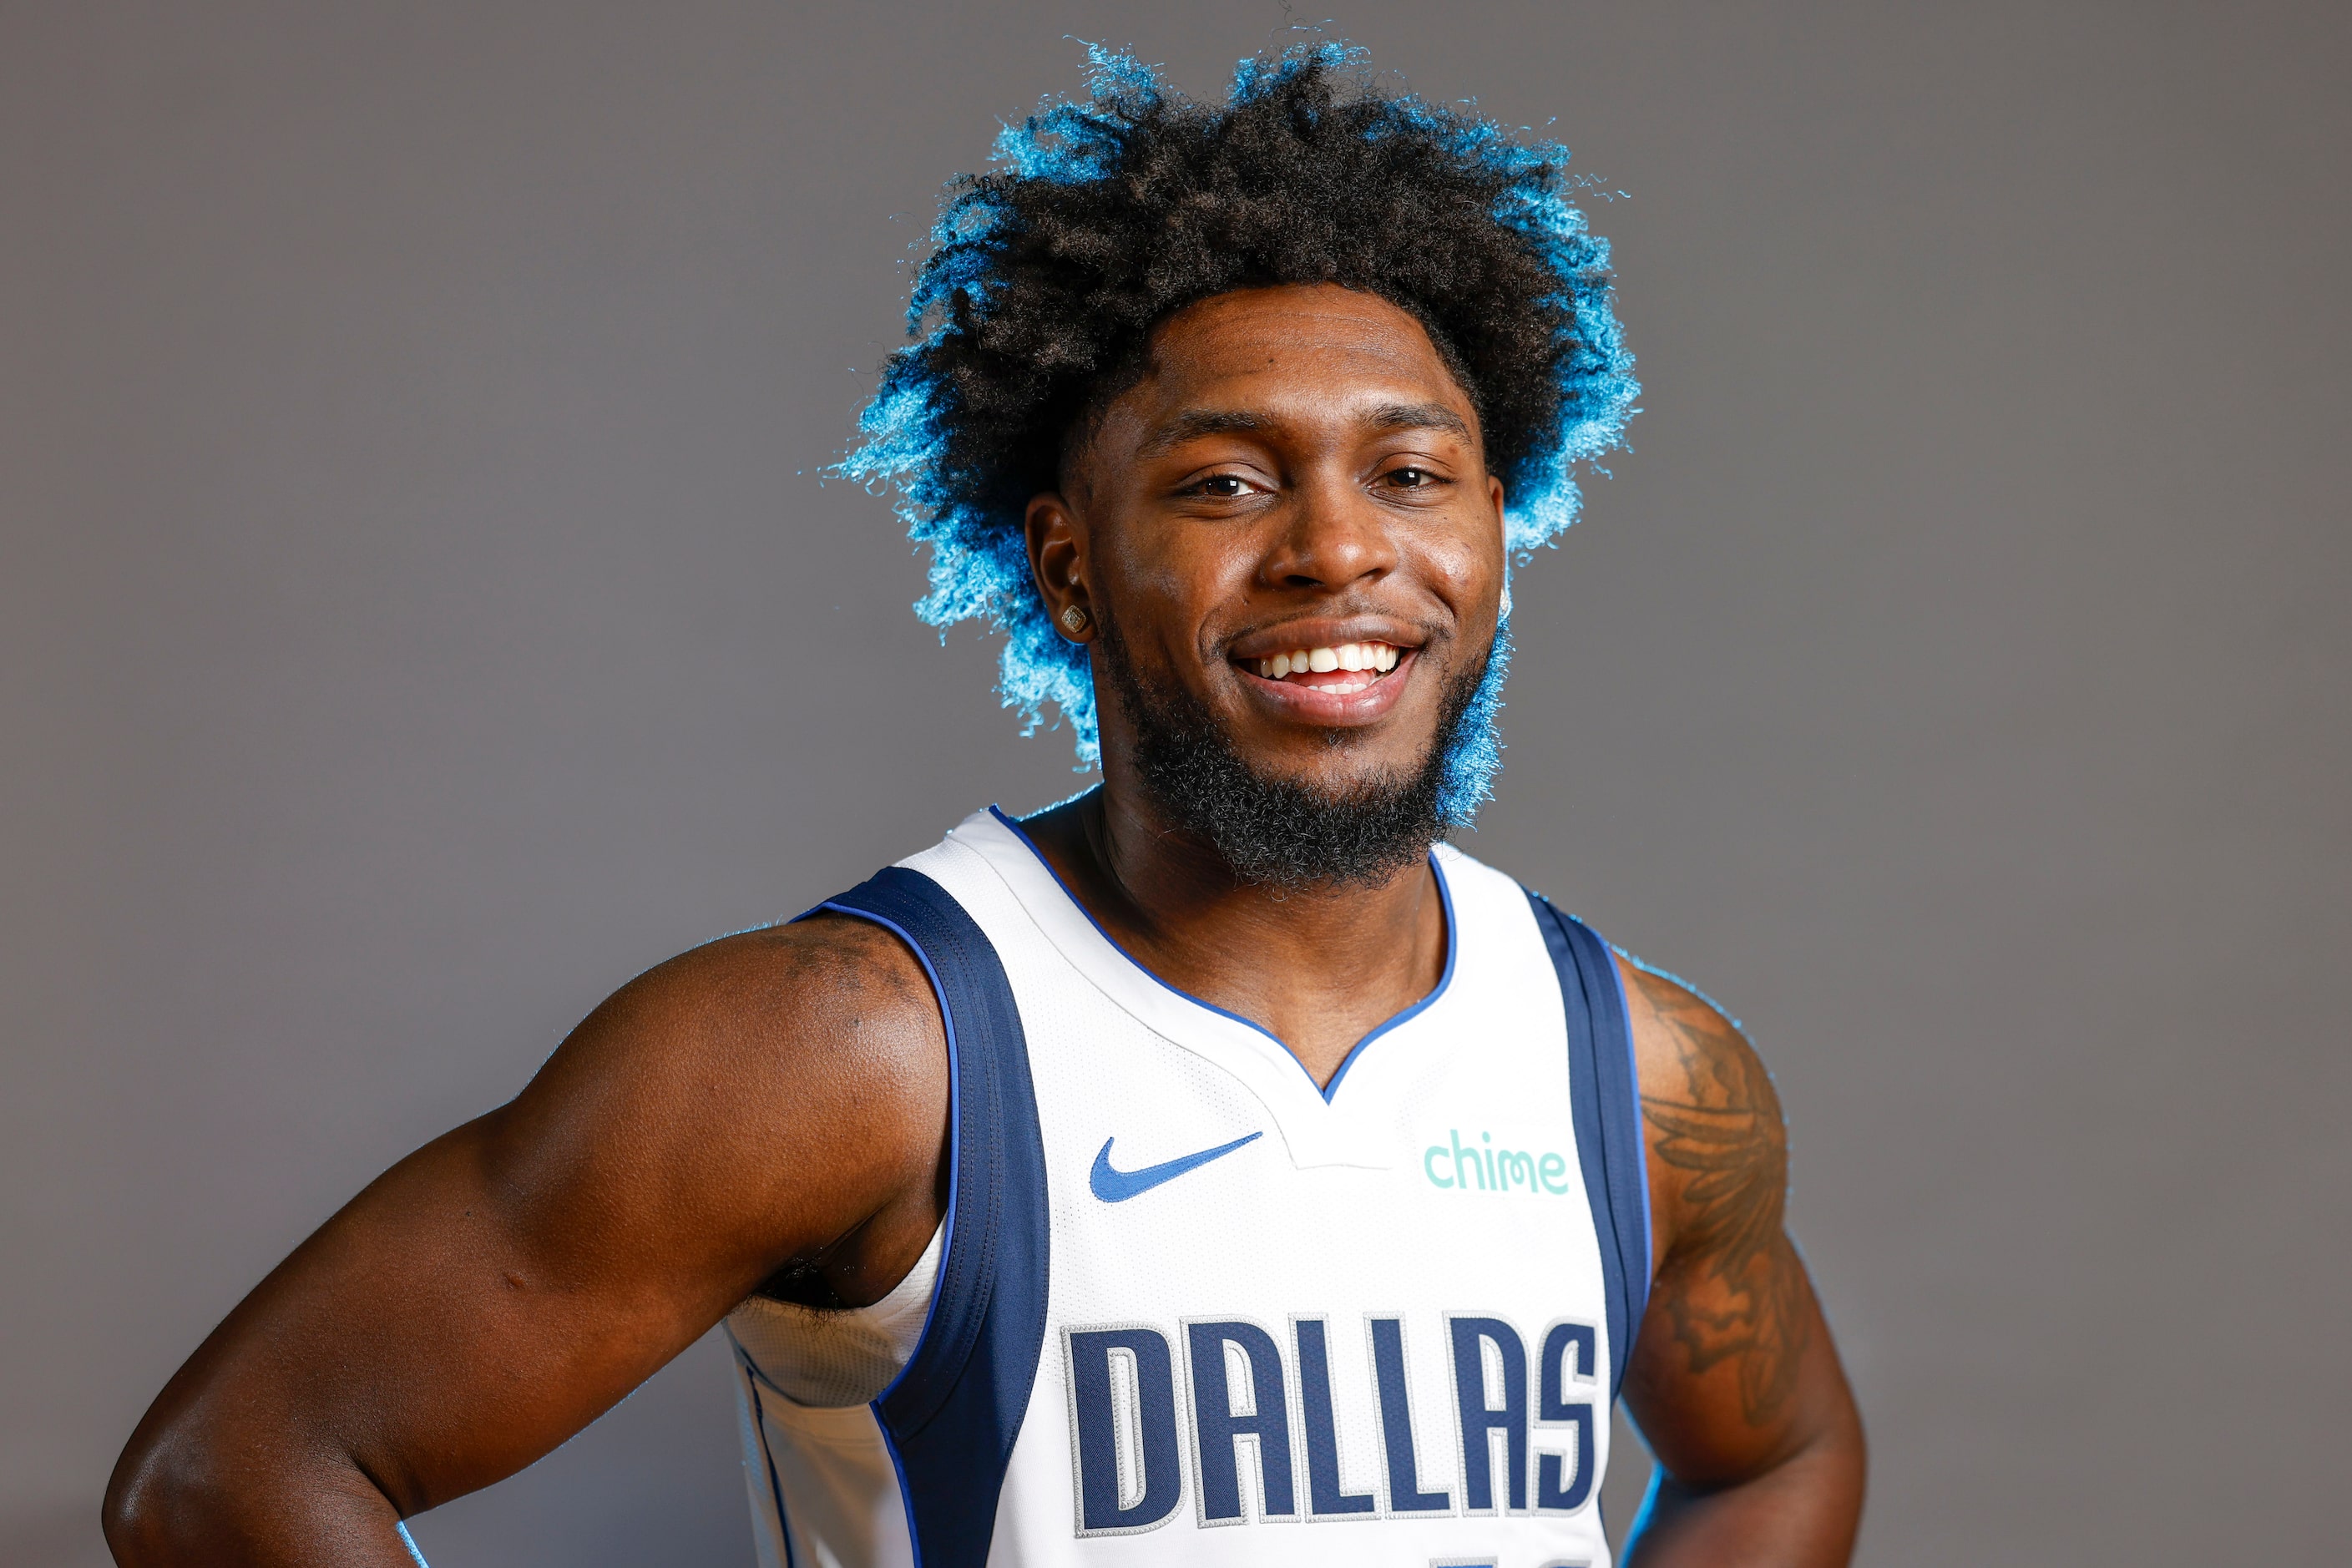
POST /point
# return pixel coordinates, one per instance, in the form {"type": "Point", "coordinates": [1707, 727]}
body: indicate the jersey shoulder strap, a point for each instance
{"type": "Point", "coordinates": [1605, 1101]}
{"type": "Point", "coordinates": [952, 1416]}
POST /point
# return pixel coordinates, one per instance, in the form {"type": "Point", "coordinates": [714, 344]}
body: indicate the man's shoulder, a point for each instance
{"type": "Point", "coordinates": [1687, 1047]}
{"type": "Point", "coordinates": [1718, 1146]}
{"type": "Point", "coordinates": [825, 969]}
{"type": "Point", "coordinates": [759, 1017]}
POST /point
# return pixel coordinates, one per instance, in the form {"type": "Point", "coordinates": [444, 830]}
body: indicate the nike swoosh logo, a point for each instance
{"type": "Point", "coordinates": [1117, 1186]}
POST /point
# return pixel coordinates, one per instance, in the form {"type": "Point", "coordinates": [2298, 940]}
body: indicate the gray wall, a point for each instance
{"type": "Point", "coordinates": [418, 615]}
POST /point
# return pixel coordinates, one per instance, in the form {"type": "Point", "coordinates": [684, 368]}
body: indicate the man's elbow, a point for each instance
{"type": "Point", "coordinates": [174, 1497]}
{"type": "Point", "coordinates": [158, 1488]}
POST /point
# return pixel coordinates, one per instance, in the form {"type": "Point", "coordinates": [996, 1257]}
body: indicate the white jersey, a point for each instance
{"type": "Point", "coordinates": [1193, 1309]}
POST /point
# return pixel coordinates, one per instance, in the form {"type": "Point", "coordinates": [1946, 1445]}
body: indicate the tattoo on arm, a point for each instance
{"type": "Point", "coordinates": [1719, 1130]}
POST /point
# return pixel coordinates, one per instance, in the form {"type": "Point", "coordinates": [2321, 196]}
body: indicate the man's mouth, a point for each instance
{"type": "Point", "coordinates": [1338, 669]}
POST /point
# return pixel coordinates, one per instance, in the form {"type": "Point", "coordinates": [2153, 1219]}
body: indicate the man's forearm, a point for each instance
{"type": "Point", "coordinates": [1802, 1513]}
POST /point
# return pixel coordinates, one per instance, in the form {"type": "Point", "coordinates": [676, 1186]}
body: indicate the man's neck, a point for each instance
{"type": "Point", "coordinates": [1318, 967]}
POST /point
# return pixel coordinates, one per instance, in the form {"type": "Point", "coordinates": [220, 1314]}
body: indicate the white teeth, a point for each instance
{"type": "Point", "coordinates": [1373, 658]}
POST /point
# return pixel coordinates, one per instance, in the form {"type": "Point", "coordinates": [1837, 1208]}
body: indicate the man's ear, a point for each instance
{"type": "Point", "coordinates": [1057, 563]}
{"type": "Point", "coordinates": [1503, 527]}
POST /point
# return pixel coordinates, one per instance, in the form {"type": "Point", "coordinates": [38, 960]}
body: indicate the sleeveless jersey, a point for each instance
{"type": "Point", "coordinates": [1193, 1309]}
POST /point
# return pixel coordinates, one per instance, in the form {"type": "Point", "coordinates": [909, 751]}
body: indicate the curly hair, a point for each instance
{"type": "Point", "coordinates": [1099, 219]}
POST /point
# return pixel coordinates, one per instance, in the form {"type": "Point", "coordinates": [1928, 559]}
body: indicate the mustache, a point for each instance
{"type": "Point", "coordinates": [1434, 636]}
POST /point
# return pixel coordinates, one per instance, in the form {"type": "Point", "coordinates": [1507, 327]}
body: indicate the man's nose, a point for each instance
{"type": "Point", "coordinates": [1334, 536]}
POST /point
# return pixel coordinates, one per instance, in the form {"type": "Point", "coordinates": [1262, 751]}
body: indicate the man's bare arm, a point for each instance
{"type": "Point", "coordinates": [775, 1100]}
{"type": "Point", "coordinates": [1734, 1381]}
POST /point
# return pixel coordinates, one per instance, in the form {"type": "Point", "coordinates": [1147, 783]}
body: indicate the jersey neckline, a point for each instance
{"type": "Point", "coordinates": [1395, 1021]}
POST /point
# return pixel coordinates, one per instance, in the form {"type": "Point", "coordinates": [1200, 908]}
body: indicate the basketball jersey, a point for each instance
{"type": "Point", "coordinates": [1192, 1308]}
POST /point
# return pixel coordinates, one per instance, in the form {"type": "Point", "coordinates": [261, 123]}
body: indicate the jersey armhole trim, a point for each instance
{"type": "Point", "coordinates": [1604, 1101]}
{"type": "Point", "coordinates": [955, 1126]}
{"type": "Point", "coordinates": [950, 1419]}
{"type": "Point", "coordinates": [767, 1457]}
{"type": "Point", "coordinates": [1609, 952]}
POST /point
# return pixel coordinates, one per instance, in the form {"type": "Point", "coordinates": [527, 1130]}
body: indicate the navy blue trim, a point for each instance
{"type": "Point", "coordinates": [955, 1113]}
{"type": "Point", "coordinates": [1605, 1102]}
{"type": "Point", "coordinates": [1640, 1140]}
{"type": "Point", "coordinates": [952, 1416]}
{"type": "Point", "coordinates": [776, 1486]}
{"type": "Point", "coordinates": [1444, 897]}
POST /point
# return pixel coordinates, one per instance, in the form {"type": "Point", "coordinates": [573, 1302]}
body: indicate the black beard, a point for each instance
{"type": "Point", "coordinates": [1276, 833]}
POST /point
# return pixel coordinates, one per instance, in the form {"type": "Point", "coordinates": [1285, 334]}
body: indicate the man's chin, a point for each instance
{"type": "Point", "coordinates": [1277, 834]}
{"type": "Point", "coordinates": [1363, 784]}
{"type": "Point", "coordinates": [1335, 817]}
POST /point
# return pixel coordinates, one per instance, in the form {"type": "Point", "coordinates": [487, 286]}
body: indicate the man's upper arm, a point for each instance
{"type": "Point", "coordinates": [1732, 1372]}
{"type": "Point", "coordinates": [767, 1098]}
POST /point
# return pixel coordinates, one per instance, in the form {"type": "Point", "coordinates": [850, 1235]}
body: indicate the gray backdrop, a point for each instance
{"type": "Point", "coordinates": [418, 612]}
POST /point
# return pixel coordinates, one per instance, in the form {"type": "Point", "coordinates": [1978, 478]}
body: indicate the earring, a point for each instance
{"type": "Point", "coordinates": [1074, 620]}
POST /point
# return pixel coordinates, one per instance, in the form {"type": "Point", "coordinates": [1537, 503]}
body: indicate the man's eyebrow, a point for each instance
{"type": "Point", "coordinates": [1195, 423]}
{"type": "Point", "coordinates": [1417, 416]}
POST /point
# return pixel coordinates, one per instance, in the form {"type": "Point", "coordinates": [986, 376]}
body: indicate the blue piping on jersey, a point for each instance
{"type": "Point", "coordinates": [1634, 1076]}
{"type": "Point", "coordinates": [1444, 898]}
{"type": "Point", "coordinates": [955, 1136]}
{"type": "Point", "coordinates": [951, 1419]}
{"type": "Point", "coordinates": [1610, 1145]}
{"type": "Point", "coordinates": [899, 1466]}
{"type": "Point", "coordinates": [767, 1455]}
{"type": "Point", "coordinates": [947, 1225]}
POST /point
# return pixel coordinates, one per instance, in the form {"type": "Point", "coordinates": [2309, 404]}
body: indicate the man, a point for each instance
{"type": "Point", "coordinates": [1215, 1166]}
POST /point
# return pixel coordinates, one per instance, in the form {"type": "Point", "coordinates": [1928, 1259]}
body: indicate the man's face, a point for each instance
{"type": "Point", "coordinates": [1296, 472]}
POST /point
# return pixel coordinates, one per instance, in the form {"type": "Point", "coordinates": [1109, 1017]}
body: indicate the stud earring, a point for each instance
{"type": "Point", "coordinates": [1074, 620]}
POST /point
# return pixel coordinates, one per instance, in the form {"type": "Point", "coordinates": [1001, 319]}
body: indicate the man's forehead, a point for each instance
{"type": "Point", "coordinates": [1261, 360]}
{"type": "Point", "coordinates": [1319, 328]}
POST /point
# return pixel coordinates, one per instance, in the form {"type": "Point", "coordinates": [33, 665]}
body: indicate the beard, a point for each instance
{"type": "Point", "coordinates": [1284, 833]}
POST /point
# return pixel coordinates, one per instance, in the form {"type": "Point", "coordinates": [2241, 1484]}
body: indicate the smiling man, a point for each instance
{"type": "Point", "coordinates": [1217, 1166]}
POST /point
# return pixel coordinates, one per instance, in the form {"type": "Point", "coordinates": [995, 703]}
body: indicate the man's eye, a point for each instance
{"type": "Point", "coordinates": [1411, 479]}
{"type": "Point", "coordinates": [1222, 485]}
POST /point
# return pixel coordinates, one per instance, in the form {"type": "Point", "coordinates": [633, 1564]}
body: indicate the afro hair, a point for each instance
{"type": "Point", "coordinates": [1097, 220]}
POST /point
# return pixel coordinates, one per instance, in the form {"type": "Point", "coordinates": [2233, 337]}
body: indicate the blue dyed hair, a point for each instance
{"type": "Point", "coordinates": [1098, 219]}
